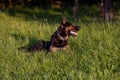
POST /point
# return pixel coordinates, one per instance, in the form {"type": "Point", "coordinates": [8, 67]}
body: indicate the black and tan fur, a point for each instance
{"type": "Point", "coordinates": [59, 39]}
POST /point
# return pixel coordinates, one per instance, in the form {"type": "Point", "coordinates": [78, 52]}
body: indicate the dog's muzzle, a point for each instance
{"type": "Point", "coordinates": [74, 32]}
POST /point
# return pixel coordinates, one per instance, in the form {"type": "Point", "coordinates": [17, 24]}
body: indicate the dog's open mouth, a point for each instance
{"type": "Point", "coordinates": [73, 33]}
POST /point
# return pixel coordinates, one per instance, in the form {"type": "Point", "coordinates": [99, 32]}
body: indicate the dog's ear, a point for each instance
{"type": "Point", "coordinates": [63, 20]}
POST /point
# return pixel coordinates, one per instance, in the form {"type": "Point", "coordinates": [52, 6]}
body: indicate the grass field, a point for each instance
{"type": "Point", "coordinates": [93, 55]}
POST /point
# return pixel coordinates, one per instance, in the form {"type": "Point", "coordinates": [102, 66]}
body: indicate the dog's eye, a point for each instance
{"type": "Point", "coordinates": [67, 25]}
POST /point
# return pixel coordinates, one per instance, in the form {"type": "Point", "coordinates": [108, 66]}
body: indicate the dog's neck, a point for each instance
{"type": "Point", "coordinates": [62, 38]}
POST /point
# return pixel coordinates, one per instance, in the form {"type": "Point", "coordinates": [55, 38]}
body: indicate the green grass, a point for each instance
{"type": "Point", "coordinates": [93, 55]}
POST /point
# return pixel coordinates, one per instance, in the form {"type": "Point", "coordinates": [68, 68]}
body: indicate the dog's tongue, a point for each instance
{"type": "Point", "coordinates": [73, 33]}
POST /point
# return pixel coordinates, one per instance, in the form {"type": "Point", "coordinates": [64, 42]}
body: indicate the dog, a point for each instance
{"type": "Point", "coordinates": [59, 39]}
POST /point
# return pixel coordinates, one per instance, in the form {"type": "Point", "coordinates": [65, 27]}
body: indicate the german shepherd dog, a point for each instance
{"type": "Point", "coordinates": [59, 39]}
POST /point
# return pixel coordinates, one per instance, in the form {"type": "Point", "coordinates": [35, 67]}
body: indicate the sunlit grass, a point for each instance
{"type": "Point", "coordinates": [93, 54]}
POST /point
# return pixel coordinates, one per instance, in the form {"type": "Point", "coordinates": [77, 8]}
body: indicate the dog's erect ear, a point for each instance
{"type": "Point", "coordinates": [63, 20]}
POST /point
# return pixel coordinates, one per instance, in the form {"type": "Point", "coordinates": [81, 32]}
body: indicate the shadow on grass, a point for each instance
{"type": "Point", "coordinates": [53, 15]}
{"type": "Point", "coordinates": [32, 41]}
{"type": "Point", "coordinates": [22, 38]}
{"type": "Point", "coordinates": [41, 15]}
{"type": "Point", "coordinates": [86, 14]}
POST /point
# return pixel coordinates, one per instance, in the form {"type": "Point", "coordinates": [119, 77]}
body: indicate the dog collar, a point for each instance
{"type": "Point", "coordinates": [62, 38]}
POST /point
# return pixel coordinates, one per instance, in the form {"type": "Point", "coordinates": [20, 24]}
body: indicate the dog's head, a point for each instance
{"type": "Point", "coordinates": [68, 29]}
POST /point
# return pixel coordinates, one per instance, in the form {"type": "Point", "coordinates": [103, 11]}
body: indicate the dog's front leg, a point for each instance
{"type": "Point", "coordinates": [53, 49]}
{"type": "Point", "coordinates": [65, 47]}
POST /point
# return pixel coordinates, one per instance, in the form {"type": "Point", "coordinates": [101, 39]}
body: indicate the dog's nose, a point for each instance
{"type": "Point", "coordinates": [77, 28]}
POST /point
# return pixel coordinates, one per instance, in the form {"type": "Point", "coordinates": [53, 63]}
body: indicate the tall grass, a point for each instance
{"type": "Point", "coordinates": [93, 55]}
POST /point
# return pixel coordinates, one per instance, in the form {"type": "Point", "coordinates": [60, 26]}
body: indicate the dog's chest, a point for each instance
{"type": "Point", "coordinates": [60, 43]}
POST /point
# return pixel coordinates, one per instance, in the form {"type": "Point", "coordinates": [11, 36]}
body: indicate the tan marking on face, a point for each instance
{"type": "Point", "coordinates": [70, 28]}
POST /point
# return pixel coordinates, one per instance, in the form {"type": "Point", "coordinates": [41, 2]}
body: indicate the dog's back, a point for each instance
{"type": "Point", "coordinates": [38, 46]}
{"type": "Point", "coordinates": [41, 45]}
